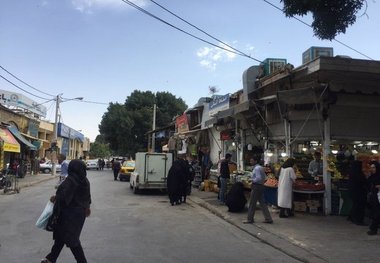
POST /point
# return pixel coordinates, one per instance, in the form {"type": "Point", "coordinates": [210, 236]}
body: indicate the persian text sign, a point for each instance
{"type": "Point", "coordinates": [182, 124]}
{"type": "Point", "coordinates": [10, 144]}
{"type": "Point", "coordinates": [218, 104]}
{"type": "Point", "coordinates": [18, 100]}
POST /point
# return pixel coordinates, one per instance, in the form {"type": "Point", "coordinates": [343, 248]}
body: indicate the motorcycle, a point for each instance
{"type": "Point", "coordinates": [5, 181]}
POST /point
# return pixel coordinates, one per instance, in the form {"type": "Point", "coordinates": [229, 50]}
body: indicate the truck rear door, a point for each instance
{"type": "Point", "coordinates": [155, 167]}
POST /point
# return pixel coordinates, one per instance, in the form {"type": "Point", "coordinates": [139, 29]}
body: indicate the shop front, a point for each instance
{"type": "Point", "coordinates": [9, 147]}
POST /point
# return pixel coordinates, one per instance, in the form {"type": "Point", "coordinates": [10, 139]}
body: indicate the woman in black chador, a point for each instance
{"type": "Point", "coordinates": [357, 184]}
{"type": "Point", "coordinates": [73, 201]}
{"type": "Point", "coordinates": [236, 200]}
{"type": "Point", "coordinates": [177, 181]}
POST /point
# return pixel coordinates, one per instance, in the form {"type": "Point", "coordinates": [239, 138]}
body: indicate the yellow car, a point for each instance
{"type": "Point", "coordinates": [126, 169]}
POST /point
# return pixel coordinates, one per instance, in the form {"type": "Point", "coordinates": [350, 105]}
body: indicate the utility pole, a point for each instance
{"type": "Point", "coordinates": [153, 128]}
{"type": "Point", "coordinates": [55, 137]}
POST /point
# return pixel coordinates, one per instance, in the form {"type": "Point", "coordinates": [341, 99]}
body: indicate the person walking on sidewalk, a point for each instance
{"type": "Point", "coordinates": [285, 187]}
{"type": "Point", "coordinates": [257, 192]}
{"type": "Point", "coordinates": [224, 176]}
{"type": "Point", "coordinates": [374, 185]}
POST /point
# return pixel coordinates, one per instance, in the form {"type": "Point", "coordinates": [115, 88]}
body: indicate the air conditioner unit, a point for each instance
{"type": "Point", "coordinates": [314, 52]}
{"type": "Point", "coordinates": [271, 65]}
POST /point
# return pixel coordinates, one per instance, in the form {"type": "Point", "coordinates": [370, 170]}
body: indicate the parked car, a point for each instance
{"type": "Point", "coordinates": [126, 169]}
{"type": "Point", "coordinates": [92, 164]}
{"type": "Point", "coordinates": [47, 167]}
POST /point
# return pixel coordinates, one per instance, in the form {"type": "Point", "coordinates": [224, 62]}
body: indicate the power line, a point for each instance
{"type": "Point", "coordinates": [201, 30]}
{"type": "Point", "coordinates": [303, 22]}
{"type": "Point", "coordinates": [25, 82]}
{"type": "Point", "coordinates": [22, 88]}
{"type": "Point", "coordinates": [185, 32]}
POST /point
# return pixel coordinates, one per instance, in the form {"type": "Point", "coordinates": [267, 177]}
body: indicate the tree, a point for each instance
{"type": "Point", "coordinates": [99, 150]}
{"type": "Point", "coordinates": [330, 17]}
{"type": "Point", "coordinates": [125, 126]}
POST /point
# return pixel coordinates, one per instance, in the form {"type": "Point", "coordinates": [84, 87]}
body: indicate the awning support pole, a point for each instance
{"type": "Point", "coordinates": [326, 173]}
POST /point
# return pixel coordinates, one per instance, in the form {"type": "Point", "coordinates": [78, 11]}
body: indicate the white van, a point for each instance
{"type": "Point", "coordinates": [151, 171]}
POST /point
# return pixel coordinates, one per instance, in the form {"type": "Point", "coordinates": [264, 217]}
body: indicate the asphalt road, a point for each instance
{"type": "Point", "coordinates": [125, 227]}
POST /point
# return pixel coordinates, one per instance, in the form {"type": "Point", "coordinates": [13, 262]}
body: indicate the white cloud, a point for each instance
{"type": "Point", "coordinates": [89, 6]}
{"type": "Point", "coordinates": [209, 56]}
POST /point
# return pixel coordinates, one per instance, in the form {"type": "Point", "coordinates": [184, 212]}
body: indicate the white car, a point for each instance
{"type": "Point", "coordinates": [47, 167]}
{"type": "Point", "coordinates": [92, 164]}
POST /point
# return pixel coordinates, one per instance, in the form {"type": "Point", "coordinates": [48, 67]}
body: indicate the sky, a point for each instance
{"type": "Point", "coordinates": [103, 50]}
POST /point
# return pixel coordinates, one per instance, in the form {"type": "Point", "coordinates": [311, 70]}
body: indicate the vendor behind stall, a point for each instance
{"type": "Point", "coordinates": [316, 165]}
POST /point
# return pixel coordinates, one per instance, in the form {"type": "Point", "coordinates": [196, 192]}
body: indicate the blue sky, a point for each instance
{"type": "Point", "coordinates": [102, 50]}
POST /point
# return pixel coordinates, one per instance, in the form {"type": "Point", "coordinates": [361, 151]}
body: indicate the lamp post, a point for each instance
{"type": "Point", "coordinates": [58, 100]}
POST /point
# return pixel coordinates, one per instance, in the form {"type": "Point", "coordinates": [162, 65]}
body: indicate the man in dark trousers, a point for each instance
{"type": "Point", "coordinates": [223, 177]}
{"type": "Point", "coordinates": [257, 192]}
{"type": "Point", "coordinates": [116, 169]}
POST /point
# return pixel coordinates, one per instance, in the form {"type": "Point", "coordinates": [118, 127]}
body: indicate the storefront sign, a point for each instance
{"type": "Point", "coordinates": [9, 142]}
{"type": "Point", "coordinates": [18, 100]}
{"type": "Point", "coordinates": [225, 135]}
{"type": "Point", "coordinates": [182, 124]}
{"type": "Point", "coordinates": [219, 103]}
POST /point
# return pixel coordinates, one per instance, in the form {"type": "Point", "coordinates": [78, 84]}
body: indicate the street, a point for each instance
{"type": "Point", "coordinates": [125, 227]}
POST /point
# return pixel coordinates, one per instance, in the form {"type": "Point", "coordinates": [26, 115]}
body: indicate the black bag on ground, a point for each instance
{"type": "Point", "coordinates": [235, 199]}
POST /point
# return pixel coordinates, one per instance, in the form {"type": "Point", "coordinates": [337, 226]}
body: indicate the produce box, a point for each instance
{"type": "Point", "coordinates": [313, 203]}
{"type": "Point", "coordinates": [300, 206]}
{"type": "Point", "coordinates": [313, 209]}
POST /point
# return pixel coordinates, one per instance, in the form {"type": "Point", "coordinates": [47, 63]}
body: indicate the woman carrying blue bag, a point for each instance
{"type": "Point", "coordinates": [73, 199]}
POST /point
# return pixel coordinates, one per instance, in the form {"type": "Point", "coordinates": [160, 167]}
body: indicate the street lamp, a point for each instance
{"type": "Point", "coordinates": [58, 100]}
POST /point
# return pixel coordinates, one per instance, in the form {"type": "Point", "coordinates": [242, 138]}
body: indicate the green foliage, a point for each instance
{"type": "Point", "coordinates": [99, 150]}
{"type": "Point", "coordinates": [124, 127]}
{"type": "Point", "coordinates": [330, 17]}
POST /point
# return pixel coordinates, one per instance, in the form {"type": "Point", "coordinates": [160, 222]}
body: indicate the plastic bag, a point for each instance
{"type": "Point", "coordinates": [44, 217]}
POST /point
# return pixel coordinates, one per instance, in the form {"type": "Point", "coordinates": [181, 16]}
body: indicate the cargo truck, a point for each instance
{"type": "Point", "coordinates": [151, 171]}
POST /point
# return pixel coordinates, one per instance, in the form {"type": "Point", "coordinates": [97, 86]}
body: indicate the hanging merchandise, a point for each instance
{"type": "Point", "coordinates": [172, 144]}
{"type": "Point", "coordinates": [183, 148]}
{"type": "Point", "coordinates": [203, 139]}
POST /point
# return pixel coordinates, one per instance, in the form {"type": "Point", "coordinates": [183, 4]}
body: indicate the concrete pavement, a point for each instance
{"type": "Point", "coordinates": [306, 237]}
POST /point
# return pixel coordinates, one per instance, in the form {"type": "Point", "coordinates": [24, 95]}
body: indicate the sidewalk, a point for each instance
{"type": "Point", "coordinates": [306, 237]}
{"type": "Point", "coordinates": [30, 180]}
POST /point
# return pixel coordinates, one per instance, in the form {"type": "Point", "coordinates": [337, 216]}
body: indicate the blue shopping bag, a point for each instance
{"type": "Point", "coordinates": [46, 214]}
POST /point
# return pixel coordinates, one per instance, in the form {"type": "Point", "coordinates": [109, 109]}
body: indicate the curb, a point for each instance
{"type": "Point", "coordinates": [28, 184]}
{"type": "Point", "coordinates": [274, 240]}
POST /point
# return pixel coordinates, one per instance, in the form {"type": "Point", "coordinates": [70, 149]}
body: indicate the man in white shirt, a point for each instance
{"type": "Point", "coordinates": [257, 192]}
{"type": "Point", "coordinates": [64, 167]}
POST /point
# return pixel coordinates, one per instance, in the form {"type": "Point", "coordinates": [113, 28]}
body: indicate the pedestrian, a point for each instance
{"type": "Point", "coordinates": [374, 186]}
{"type": "Point", "coordinates": [103, 163]}
{"type": "Point", "coordinates": [235, 199]}
{"type": "Point", "coordinates": [64, 168]}
{"type": "Point", "coordinates": [257, 192]}
{"type": "Point", "coordinates": [224, 176]}
{"type": "Point", "coordinates": [316, 165]}
{"type": "Point", "coordinates": [285, 187]}
{"type": "Point", "coordinates": [177, 181]}
{"type": "Point", "coordinates": [116, 169]}
{"type": "Point", "coordinates": [73, 199]}
{"type": "Point", "coordinates": [357, 186]}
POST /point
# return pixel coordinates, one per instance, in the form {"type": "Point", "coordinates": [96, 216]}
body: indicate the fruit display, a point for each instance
{"type": "Point", "coordinates": [303, 185]}
{"type": "Point", "coordinates": [271, 182]}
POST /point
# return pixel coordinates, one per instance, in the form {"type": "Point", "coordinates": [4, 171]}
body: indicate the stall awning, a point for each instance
{"type": "Point", "coordinates": [10, 144]}
{"type": "Point", "coordinates": [21, 138]}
